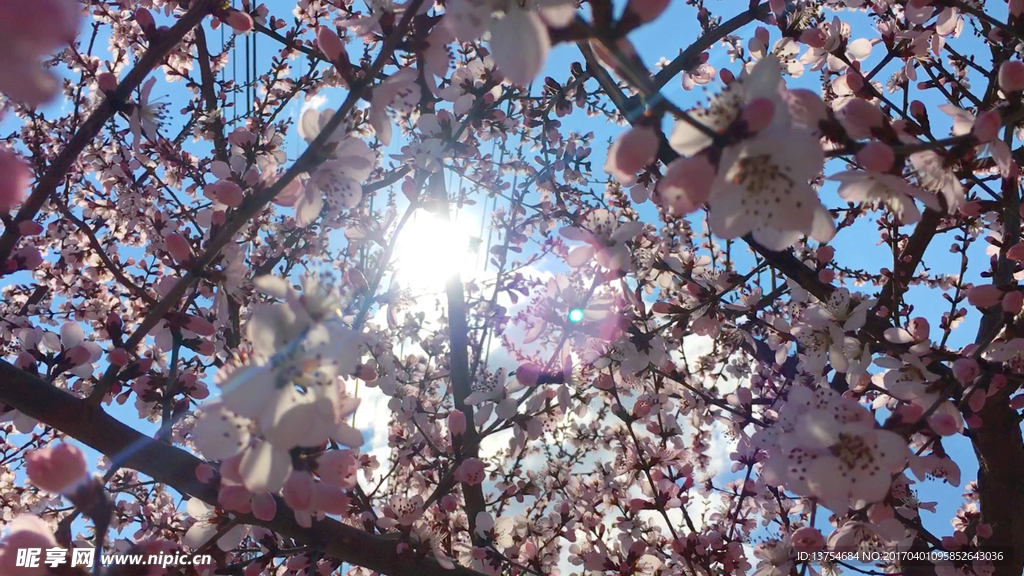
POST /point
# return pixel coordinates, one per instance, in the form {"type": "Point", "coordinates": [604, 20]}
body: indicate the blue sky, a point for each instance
{"type": "Point", "coordinates": [856, 247]}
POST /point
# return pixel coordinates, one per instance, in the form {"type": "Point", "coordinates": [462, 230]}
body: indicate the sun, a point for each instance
{"type": "Point", "coordinates": [431, 250]}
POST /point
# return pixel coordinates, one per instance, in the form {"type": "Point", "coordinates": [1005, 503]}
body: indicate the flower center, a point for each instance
{"type": "Point", "coordinates": [853, 451]}
{"type": "Point", "coordinates": [760, 173]}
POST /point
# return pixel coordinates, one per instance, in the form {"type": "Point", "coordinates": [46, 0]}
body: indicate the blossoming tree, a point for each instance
{"type": "Point", "coordinates": [214, 338]}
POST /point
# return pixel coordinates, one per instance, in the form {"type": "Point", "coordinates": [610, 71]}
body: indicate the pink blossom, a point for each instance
{"type": "Point", "coordinates": [329, 43]}
{"type": "Point", "coordinates": [1013, 302]}
{"type": "Point", "coordinates": [57, 469]}
{"type": "Point", "coordinates": [471, 471]}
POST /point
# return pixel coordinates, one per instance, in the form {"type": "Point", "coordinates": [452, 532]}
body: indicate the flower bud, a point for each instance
{"type": "Point", "coordinates": [860, 117]}
{"type": "Point", "coordinates": [239, 21]}
{"type": "Point", "coordinates": [971, 209]}
{"type": "Point", "coordinates": [457, 423]}
{"type": "Point", "coordinates": [1013, 302]}
{"type": "Point", "coordinates": [106, 81]}
{"type": "Point", "coordinates": [178, 247]}
{"type": "Point", "coordinates": [144, 19]}
{"type": "Point", "coordinates": [966, 370]}
{"type": "Point", "coordinates": [686, 185]}
{"type": "Point", "coordinates": [56, 469]}
{"type": "Point", "coordinates": [814, 37]}
{"type": "Point", "coordinates": [1011, 76]}
{"type": "Point", "coordinates": [986, 126]}
{"type": "Point", "coordinates": [984, 296]}
{"type": "Point", "coordinates": [646, 10]}
{"type": "Point", "coordinates": [631, 152]}
{"type": "Point", "coordinates": [329, 43]}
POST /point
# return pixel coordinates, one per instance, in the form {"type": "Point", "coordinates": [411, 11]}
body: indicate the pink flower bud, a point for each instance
{"type": "Point", "coordinates": [726, 76]}
{"type": "Point", "coordinates": [971, 209]}
{"type": "Point", "coordinates": [986, 126]}
{"type": "Point", "coordinates": [983, 531]}
{"type": "Point", "coordinates": [918, 110]}
{"type": "Point", "coordinates": [1017, 402]}
{"type": "Point", "coordinates": [58, 469]}
{"type": "Point", "coordinates": [632, 151]}
{"type": "Point", "coordinates": [984, 296]}
{"type": "Point", "coordinates": [329, 43]}
{"type": "Point", "coordinates": [30, 228]}
{"type": "Point", "coordinates": [200, 326]}
{"type": "Point", "coordinates": [106, 81]}
{"type": "Point", "coordinates": [808, 539]}
{"type": "Point", "coordinates": [239, 21]}
{"type": "Point", "coordinates": [449, 503]}
{"type": "Point", "coordinates": [145, 20]}
{"type": "Point", "coordinates": [762, 36]}
{"type": "Point", "coordinates": [264, 506]}
{"type": "Point", "coordinates": [14, 178]}
{"type": "Point", "coordinates": [298, 490]}
{"type": "Point", "coordinates": [226, 192]}
{"type": "Point", "coordinates": [457, 423]}
{"type": "Point", "coordinates": [686, 185]}
{"type": "Point", "coordinates": [233, 497]}
{"type": "Point", "coordinates": [854, 81]}
{"type": "Point", "coordinates": [472, 472]}
{"type": "Point", "coordinates": [860, 117]}
{"type": "Point", "coordinates": [824, 254]}
{"type": "Point", "coordinates": [944, 424]}
{"type": "Point", "coordinates": [758, 114]}
{"type": "Point", "coordinates": [1016, 8]}
{"type": "Point", "coordinates": [646, 10]}
{"type": "Point", "coordinates": [528, 374]}
{"type": "Point", "coordinates": [778, 7]}
{"type": "Point", "coordinates": [876, 157]}
{"type": "Point", "coordinates": [1011, 76]}
{"type": "Point", "coordinates": [178, 248]}
{"type": "Point", "coordinates": [826, 276]}
{"type": "Point", "coordinates": [78, 355]}
{"type": "Point", "coordinates": [1013, 302]}
{"type": "Point", "coordinates": [205, 473]}
{"type": "Point", "coordinates": [1016, 253]}
{"type": "Point", "coordinates": [966, 370]}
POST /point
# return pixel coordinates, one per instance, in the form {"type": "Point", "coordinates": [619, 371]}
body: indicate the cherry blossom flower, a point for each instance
{"type": "Point", "coordinates": [888, 190]}
{"type": "Point", "coordinates": [606, 239]}
{"type": "Point", "coordinates": [762, 189]}
{"type": "Point", "coordinates": [762, 81]}
{"type": "Point", "coordinates": [337, 183]}
{"type": "Point", "coordinates": [145, 117]}
{"type": "Point", "coordinates": [58, 469]}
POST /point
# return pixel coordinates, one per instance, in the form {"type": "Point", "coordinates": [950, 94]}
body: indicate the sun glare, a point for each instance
{"type": "Point", "coordinates": [431, 250]}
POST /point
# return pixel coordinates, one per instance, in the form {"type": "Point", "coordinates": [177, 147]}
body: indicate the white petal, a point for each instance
{"type": "Point", "coordinates": [218, 434]}
{"type": "Point", "coordinates": [519, 45]}
{"type": "Point", "coordinates": [264, 468]}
